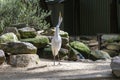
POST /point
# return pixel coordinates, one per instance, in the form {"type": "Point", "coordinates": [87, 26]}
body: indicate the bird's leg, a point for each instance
{"type": "Point", "coordinates": [54, 60]}
{"type": "Point", "coordinates": [58, 59]}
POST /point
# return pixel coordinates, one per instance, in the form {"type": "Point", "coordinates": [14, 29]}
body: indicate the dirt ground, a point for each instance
{"type": "Point", "coordinates": [67, 70]}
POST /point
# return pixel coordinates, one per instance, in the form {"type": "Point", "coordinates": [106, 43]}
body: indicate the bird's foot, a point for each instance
{"type": "Point", "coordinates": [59, 63]}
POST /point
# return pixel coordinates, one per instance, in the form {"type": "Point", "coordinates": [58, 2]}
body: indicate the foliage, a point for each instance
{"type": "Point", "coordinates": [23, 11]}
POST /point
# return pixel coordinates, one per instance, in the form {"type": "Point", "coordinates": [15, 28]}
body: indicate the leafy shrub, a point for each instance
{"type": "Point", "coordinates": [23, 11]}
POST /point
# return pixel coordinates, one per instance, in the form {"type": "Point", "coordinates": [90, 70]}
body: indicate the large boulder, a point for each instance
{"type": "Point", "coordinates": [38, 41]}
{"type": "Point", "coordinates": [2, 57]}
{"type": "Point", "coordinates": [115, 66]}
{"type": "Point", "coordinates": [8, 37]}
{"type": "Point", "coordinates": [74, 55]}
{"type": "Point", "coordinates": [110, 37]}
{"type": "Point", "coordinates": [112, 53]}
{"type": "Point", "coordinates": [24, 60]}
{"type": "Point", "coordinates": [11, 29]}
{"type": "Point", "coordinates": [27, 32]}
{"type": "Point", "coordinates": [99, 54]}
{"type": "Point", "coordinates": [82, 48]}
{"type": "Point", "coordinates": [19, 48]}
{"type": "Point", "coordinates": [113, 46]}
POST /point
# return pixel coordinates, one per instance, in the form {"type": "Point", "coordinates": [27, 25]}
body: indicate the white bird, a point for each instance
{"type": "Point", "coordinates": [56, 40]}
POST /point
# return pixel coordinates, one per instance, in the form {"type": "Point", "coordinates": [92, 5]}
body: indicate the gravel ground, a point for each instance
{"type": "Point", "coordinates": [66, 70]}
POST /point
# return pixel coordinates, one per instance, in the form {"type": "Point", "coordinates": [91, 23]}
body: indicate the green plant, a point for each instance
{"type": "Point", "coordinates": [23, 11]}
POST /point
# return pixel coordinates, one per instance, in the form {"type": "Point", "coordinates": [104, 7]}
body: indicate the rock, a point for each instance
{"type": "Point", "coordinates": [40, 32]}
{"type": "Point", "coordinates": [72, 38]}
{"type": "Point", "coordinates": [50, 32]}
{"type": "Point", "coordinates": [86, 37]}
{"type": "Point", "coordinates": [74, 55]}
{"type": "Point", "coordinates": [24, 60]}
{"type": "Point", "coordinates": [82, 48]}
{"type": "Point", "coordinates": [94, 48]}
{"type": "Point", "coordinates": [115, 66]}
{"type": "Point", "coordinates": [2, 57]}
{"type": "Point", "coordinates": [8, 37]}
{"type": "Point", "coordinates": [27, 32]}
{"type": "Point", "coordinates": [99, 54]}
{"type": "Point", "coordinates": [47, 53]}
{"type": "Point", "coordinates": [65, 41]}
{"type": "Point", "coordinates": [63, 53]}
{"type": "Point", "coordinates": [104, 44]}
{"type": "Point", "coordinates": [64, 34]}
{"type": "Point", "coordinates": [11, 29]}
{"type": "Point", "coordinates": [2, 60]}
{"type": "Point", "coordinates": [113, 46]}
{"type": "Point", "coordinates": [110, 37]}
{"type": "Point", "coordinates": [19, 48]}
{"type": "Point", "coordinates": [85, 42]}
{"type": "Point", "coordinates": [112, 53]}
{"type": "Point", "coordinates": [38, 41]}
{"type": "Point", "coordinates": [93, 44]}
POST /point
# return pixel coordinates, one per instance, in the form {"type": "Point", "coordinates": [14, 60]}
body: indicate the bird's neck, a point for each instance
{"type": "Point", "coordinates": [57, 31]}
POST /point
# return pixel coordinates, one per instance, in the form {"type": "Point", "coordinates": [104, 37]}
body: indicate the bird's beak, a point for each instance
{"type": "Point", "coordinates": [60, 15]}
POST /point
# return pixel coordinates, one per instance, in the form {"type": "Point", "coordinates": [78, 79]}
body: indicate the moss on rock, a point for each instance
{"type": "Point", "coordinates": [38, 41]}
{"type": "Point", "coordinates": [8, 37]}
{"type": "Point", "coordinates": [80, 46]}
{"type": "Point", "coordinates": [27, 32]}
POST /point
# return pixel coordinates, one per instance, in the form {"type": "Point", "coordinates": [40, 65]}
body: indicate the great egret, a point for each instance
{"type": "Point", "coordinates": [56, 40]}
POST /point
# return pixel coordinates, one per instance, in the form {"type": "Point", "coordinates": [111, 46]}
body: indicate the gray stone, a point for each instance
{"type": "Point", "coordinates": [2, 57]}
{"type": "Point", "coordinates": [93, 43]}
{"type": "Point", "coordinates": [27, 32]}
{"type": "Point", "coordinates": [11, 29]}
{"type": "Point", "coordinates": [19, 48]}
{"type": "Point", "coordinates": [112, 53]}
{"type": "Point", "coordinates": [24, 60]}
{"type": "Point", "coordinates": [113, 46]}
{"type": "Point", "coordinates": [99, 54]}
{"type": "Point", "coordinates": [110, 37]}
{"type": "Point", "coordinates": [86, 37]}
{"type": "Point", "coordinates": [8, 37]}
{"type": "Point", "coordinates": [115, 66]}
{"type": "Point", "coordinates": [63, 52]}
